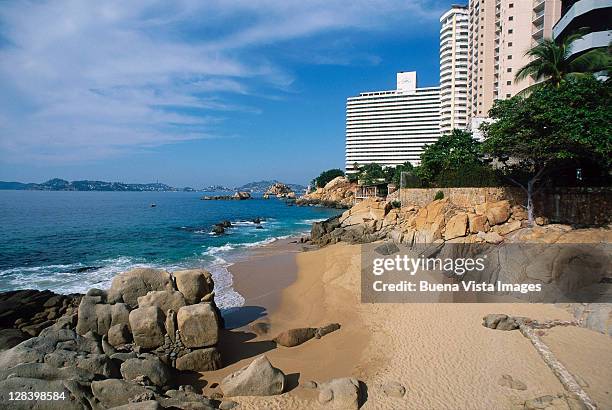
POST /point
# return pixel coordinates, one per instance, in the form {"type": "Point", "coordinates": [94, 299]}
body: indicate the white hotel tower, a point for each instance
{"type": "Point", "coordinates": [454, 69]}
{"type": "Point", "coordinates": [392, 127]}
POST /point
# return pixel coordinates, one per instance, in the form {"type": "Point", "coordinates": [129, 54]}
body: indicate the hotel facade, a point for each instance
{"type": "Point", "coordinates": [500, 33]}
{"type": "Point", "coordinates": [391, 127]}
{"type": "Point", "coordinates": [594, 15]}
{"type": "Point", "coordinates": [454, 69]}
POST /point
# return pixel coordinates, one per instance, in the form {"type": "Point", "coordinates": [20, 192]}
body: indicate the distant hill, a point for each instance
{"type": "Point", "coordinates": [262, 186]}
{"type": "Point", "coordinates": [57, 184]}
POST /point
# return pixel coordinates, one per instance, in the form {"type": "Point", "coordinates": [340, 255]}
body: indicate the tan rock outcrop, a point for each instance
{"type": "Point", "coordinates": [478, 223]}
{"type": "Point", "coordinates": [456, 227]}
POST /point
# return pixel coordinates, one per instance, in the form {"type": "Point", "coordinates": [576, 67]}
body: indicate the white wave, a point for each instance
{"type": "Point", "coordinates": [311, 221]}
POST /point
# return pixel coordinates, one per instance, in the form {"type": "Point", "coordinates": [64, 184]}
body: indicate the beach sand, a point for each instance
{"type": "Point", "coordinates": [440, 352]}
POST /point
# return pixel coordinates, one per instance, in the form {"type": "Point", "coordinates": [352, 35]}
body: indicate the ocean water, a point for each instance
{"type": "Point", "coordinates": [71, 241]}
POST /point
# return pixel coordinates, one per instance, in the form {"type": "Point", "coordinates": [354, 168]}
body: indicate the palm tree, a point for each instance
{"type": "Point", "coordinates": [553, 63]}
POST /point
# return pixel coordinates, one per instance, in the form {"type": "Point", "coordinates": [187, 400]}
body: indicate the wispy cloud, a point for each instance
{"type": "Point", "coordinates": [85, 80]}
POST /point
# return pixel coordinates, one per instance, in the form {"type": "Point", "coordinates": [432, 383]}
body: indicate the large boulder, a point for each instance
{"type": "Point", "coordinates": [341, 394]}
{"type": "Point", "coordinates": [116, 392]}
{"type": "Point", "coordinates": [147, 325]}
{"type": "Point", "coordinates": [201, 360]}
{"type": "Point", "coordinates": [198, 325]}
{"type": "Point", "coordinates": [163, 299]}
{"type": "Point", "coordinates": [128, 286]}
{"type": "Point", "coordinates": [119, 335]}
{"type": "Point", "coordinates": [456, 227]}
{"type": "Point", "coordinates": [154, 369]}
{"type": "Point", "coordinates": [496, 212]}
{"type": "Point", "coordinates": [93, 315]}
{"type": "Point", "coordinates": [478, 223]}
{"type": "Point", "coordinates": [194, 284]}
{"type": "Point", "coordinates": [259, 378]}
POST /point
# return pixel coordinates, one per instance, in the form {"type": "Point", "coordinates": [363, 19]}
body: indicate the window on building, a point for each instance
{"type": "Point", "coordinates": [511, 5]}
{"type": "Point", "coordinates": [510, 31]}
{"type": "Point", "coordinates": [510, 18]}
{"type": "Point", "coordinates": [510, 57]}
{"type": "Point", "coordinates": [508, 95]}
{"type": "Point", "coordinates": [509, 43]}
{"type": "Point", "coordinates": [509, 70]}
{"type": "Point", "coordinates": [508, 82]}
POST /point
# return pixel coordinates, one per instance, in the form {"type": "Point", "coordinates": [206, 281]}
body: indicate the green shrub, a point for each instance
{"type": "Point", "coordinates": [439, 195]}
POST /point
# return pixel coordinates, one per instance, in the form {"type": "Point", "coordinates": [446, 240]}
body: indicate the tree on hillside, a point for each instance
{"type": "Point", "coordinates": [552, 62]}
{"type": "Point", "coordinates": [453, 151]}
{"type": "Point", "coordinates": [326, 176]}
{"type": "Point", "coordinates": [550, 129]}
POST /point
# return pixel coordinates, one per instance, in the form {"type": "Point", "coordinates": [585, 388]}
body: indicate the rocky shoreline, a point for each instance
{"type": "Point", "coordinates": [141, 343]}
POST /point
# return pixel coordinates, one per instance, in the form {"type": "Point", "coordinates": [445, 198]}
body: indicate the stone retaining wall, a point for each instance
{"type": "Point", "coordinates": [579, 206]}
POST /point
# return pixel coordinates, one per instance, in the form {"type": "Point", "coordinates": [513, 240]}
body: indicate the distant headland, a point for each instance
{"type": "Point", "coordinates": [57, 184]}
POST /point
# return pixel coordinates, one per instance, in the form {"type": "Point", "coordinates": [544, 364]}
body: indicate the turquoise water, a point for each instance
{"type": "Point", "coordinates": [71, 241]}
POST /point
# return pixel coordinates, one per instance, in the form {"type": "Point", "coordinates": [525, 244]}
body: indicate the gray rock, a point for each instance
{"type": "Point", "coordinates": [184, 399]}
{"type": "Point", "coordinates": [116, 392]}
{"type": "Point", "coordinates": [340, 393]}
{"type": "Point", "coordinates": [147, 326]}
{"type": "Point", "coordinates": [128, 286]}
{"type": "Point", "coordinates": [44, 371]}
{"type": "Point", "coordinates": [198, 325]}
{"type": "Point", "coordinates": [200, 360]}
{"type": "Point", "coordinates": [295, 337]}
{"type": "Point", "coordinates": [394, 389]}
{"type": "Point", "coordinates": [122, 357]}
{"type": "Point", "coordinates": [119, 335]}
{"type": "Point", "coordinates": [227, 405]}
{"type": "Point", "coordinates": [106, 347]}
{"type": "Point", "coordinates": [157, 372]}
{"type": "Point", "coordinates": [194, 284]}
{"type": "Point", "coordinates": [163, 299]}
{"type": "Point", "coordinates": [120, 314]}
{"type": "Point", "coordinates": [142, 405]}
{"type": "Point", "coordinates": [11, 337]}
{"type": "Point", "coordinates": [99, 364]}
{"type": "Point", "coordinates": [93, 315]}
{"type": "Point", "coordinates": [259, 378]}
{"type": "Point", "coordinates": [502, 322]}
{"type": "Point", "coordinates": [76, 396]}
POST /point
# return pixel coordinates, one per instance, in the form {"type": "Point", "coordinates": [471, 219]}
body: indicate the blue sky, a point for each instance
{"type": "Point", "coordinates": [197, 92]}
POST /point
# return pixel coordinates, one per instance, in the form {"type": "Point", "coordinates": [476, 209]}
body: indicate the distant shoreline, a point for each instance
{"type": "Point", "coordinates": [57, 184]}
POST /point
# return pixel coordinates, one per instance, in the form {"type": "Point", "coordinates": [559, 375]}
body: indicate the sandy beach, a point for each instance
{"type": "Point", "coordinates": [441, 353]}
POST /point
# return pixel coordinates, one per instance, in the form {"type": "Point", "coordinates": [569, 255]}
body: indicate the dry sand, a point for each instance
{"type": "Point", "coordinates": [440, 352]}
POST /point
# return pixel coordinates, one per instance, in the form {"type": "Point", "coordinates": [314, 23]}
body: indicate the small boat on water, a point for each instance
{"type": "Point", "coordinates": [153, 205]}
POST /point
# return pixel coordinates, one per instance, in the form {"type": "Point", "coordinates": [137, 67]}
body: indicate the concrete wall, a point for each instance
{"type": "Point", "coordinates": [578, 206]}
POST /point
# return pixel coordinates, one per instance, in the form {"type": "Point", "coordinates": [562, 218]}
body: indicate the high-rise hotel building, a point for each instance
{"type": "Point", "coordinates": [592, 17]}
{"type": "Point", "coordinates": [500, 33]}
{"type": "Point", "coordinates": [392, 127]}
{"type": "Point", "coordinates": [454, 69]}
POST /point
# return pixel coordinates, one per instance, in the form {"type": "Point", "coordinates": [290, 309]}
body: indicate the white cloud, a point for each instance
{"type": "Point", "coordinates": [84, 80]}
